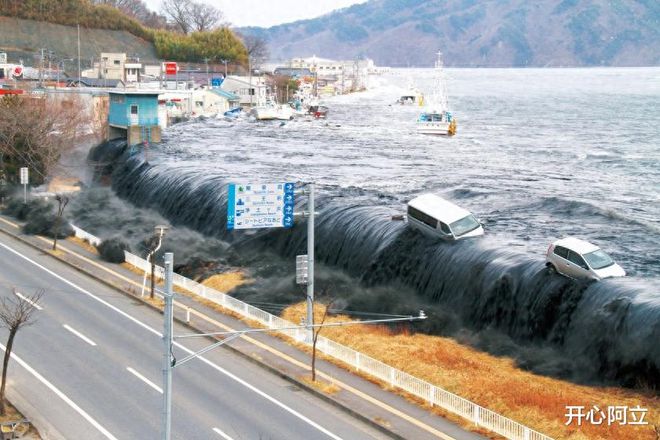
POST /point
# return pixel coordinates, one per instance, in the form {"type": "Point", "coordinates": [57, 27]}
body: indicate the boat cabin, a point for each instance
{"type": "Point", "coordinates": [435, 117]}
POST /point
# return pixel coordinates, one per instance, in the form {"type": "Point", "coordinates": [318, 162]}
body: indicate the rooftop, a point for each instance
{"type": "Point", "coordinates": [439, 208]}
{"type": "Point", "coordinates": [577, 245]}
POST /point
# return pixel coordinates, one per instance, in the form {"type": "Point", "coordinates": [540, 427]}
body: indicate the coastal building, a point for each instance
{"type": "Point", "coordinates": [134, 116]}
{"type": "Point", "coordinates": [132, 72]}
{"type": "Point", "coordinates": [219, 101]}
{"type": "Point", "coordinates": [320, 66]}
{"type": "Point", "coordinates": [112, 65]}
{"type": "Point", "coordinates": [251, 92]}
{"type": "Point", "coordinates": [118, 67]}
{"type": "Point", "coordinates": [293, 72]}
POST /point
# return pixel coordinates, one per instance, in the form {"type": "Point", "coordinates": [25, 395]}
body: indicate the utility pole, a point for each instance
{"type": "Point", "coordinates": [78, 26]}
{"type": "Point", "coordinates": [167, 348]}
{"type": "Point", "coordinates": [50, 58]}
{"type": "Point", "coordinates": [208, 80]}
{"type": "Point", "coordinates": [250, 89]}
{"type": "Point", "coordinates": [41, 68]}
{"type": "Point", "coordinates": [225, 63]}
{"type": "Point", "coordinates": [310, 256]}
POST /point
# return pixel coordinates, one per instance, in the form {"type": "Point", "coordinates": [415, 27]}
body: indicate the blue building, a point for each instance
{"type": "Point", "coordinates": [134, 116]}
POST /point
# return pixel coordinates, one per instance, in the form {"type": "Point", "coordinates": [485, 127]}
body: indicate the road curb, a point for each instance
{"type": "Point", "coordinates": [303, 386]}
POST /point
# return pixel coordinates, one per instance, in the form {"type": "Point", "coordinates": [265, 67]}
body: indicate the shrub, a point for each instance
{"type": "Point", "coordinates": [112, 250]}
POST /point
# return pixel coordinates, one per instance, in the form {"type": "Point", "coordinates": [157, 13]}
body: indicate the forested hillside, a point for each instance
{"type": "Point", "coordinates": [479, 33]}
{"type": "Point", "coordinates": [24, 37]}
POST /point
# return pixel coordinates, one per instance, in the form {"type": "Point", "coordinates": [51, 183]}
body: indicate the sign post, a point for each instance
{"type": "Point", "coordinates": [171, 68]}
{"type": "Point", "coordinates": [302, 274]}
{"type": "Point", "coordinates": [258, 205]}
{"type": "Point", "coordinates": [251, 206]}
{"type": "Point", "coordinates": [24, 181]}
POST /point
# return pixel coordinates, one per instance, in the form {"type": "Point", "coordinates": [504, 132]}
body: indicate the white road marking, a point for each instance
{"type": "Point", "coordinates": [222, 434]}
{"type": "Point", "coordinates": [29, 301]}
{"type": "Point", "coordinates": [201, 358]}
{"type": "Point", "coordinates": [145, 380]}
{"type": "Point", "coordinates": [61, 395]}
{"type": "Point", "coordinates": [80, 335]}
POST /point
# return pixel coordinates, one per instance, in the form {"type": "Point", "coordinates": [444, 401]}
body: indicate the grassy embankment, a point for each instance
{"type": "Point", "coordinates": [494, 382]}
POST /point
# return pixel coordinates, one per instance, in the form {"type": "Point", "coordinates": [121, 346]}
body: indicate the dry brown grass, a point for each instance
{"type": "Point", "coordinates": [61, 184]}
{"type": "Point", "coordinates": [226, 282]}
{"type": "Point", "coordinates": [13, 415]}
{"type": "Point", "coordinates": [493, 382]}
{"type": "Point", "coordinates": [320, 385]}
{"type": "Point", "coordinates": [83, 244]}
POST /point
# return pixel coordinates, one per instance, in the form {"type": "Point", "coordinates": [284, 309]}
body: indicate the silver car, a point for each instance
{"type": "Point", "coordinates": [580, 259]}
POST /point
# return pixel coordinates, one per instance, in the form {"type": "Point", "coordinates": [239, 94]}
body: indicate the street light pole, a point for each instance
{"type": "Point", "coordinates": [167, 348]}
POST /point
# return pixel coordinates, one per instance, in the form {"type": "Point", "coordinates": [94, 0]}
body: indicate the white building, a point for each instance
{"type": "Point", "coordinates": [321, 66]}
{"type": "Point", "coordinates": [132, 72]}
{"type": "Point", "coordinates": [116, 66]}
{"type": "Point", "coordinates": [250, 92]}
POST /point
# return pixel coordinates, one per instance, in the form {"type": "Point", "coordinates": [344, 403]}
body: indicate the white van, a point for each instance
{"type": "Point", "coordinates": [438, 217]}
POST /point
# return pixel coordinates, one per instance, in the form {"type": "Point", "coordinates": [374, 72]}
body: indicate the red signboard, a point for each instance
{"type": "Point", "coordinates": [170, 68]}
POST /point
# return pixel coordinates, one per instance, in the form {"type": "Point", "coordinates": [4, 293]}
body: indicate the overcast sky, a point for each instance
{"type": "Point", "coordinates": [269, 12]}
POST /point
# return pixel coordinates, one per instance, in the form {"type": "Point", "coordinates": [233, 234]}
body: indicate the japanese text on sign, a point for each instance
{"type": "Point", "coordinates": [253, 205]}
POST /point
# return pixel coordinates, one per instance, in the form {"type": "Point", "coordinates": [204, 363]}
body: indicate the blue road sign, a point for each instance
{"type": "Point", "coordinates": [258, 205]}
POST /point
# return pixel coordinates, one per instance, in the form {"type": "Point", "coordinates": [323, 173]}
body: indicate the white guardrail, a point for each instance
{"type": "Point", "coordinates": [361, 362]}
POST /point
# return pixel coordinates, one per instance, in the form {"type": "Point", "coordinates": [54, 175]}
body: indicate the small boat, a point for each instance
{"type": "Point", "coordinates": [413, 95]}
{"type": "Point", "coordinates": [318, 111]}
{"type": "Point", "coordinates": [233, 113]}
{"type": "Point", "coordinates": [436, 119]}
{"type": "Point", "coordinates": [271, 111]}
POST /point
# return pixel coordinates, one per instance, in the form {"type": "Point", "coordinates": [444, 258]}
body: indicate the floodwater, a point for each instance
{"type": "Point", "coordinates": [539, 154]}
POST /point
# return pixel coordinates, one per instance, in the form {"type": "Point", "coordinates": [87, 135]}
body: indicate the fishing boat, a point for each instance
{"type": "Point", "coordinates": [272, 111]}
{"type": "Point", "coordinates": [318, 111]}
{"type": "Point", "coordinates": [412, 96]}
{"type": "Point", "coordinates": [436, 119]}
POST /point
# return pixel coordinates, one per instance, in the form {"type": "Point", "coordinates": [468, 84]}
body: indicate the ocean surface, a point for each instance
{"type": "Point", "coordinates": [539, 154]}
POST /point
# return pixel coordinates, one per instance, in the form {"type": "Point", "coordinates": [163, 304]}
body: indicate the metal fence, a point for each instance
{"type": "Point", "coordinates": [432, 394]}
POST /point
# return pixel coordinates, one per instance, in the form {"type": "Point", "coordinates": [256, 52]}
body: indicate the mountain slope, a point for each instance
{"type": "Point", "coordinates": [479, 33]}
{"type": "Point", "coordinates": [22, 39]}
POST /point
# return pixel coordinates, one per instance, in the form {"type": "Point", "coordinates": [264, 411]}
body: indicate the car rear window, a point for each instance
{"type": "Point", "coordinates": [561, 251]}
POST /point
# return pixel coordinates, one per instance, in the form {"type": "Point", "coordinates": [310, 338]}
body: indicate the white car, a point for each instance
{"type": "Point", "coordinates": [577, 258]}
{"type": "Point", "coordinates": [438, 217]}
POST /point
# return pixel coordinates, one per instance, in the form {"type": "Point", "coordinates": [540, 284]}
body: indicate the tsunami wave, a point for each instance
{"type": "Point", "coordinates": [600, 331]}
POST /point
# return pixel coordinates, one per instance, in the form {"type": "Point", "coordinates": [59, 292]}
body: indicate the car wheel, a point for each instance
{"type": "Point", "coordinates": [552, 270]}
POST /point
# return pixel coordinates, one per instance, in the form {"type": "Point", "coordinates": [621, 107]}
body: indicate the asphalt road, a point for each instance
{"type": "Point", "coordinates": [90, 368]}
